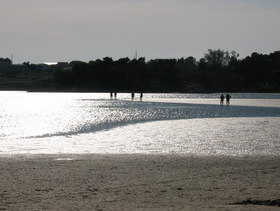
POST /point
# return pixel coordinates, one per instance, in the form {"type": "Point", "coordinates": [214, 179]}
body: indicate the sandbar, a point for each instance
{"type": "Point", "coordinates": [137, 182]}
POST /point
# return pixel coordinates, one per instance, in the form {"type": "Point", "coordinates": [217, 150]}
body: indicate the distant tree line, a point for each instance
{"type": "Point", "coordinates": [218, 70]}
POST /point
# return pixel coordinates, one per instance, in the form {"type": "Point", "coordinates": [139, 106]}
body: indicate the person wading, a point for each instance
{"type": "Point", "coordinates": [228, 99]}
{"type": "Point", "coordinates": [222, 99]}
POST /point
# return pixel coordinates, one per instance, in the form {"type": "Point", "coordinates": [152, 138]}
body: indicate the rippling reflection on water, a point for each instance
{"type": "Point", "coordinates": [92, 123]}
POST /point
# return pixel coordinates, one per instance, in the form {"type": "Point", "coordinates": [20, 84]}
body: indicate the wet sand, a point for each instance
{"type": "Point", "coordinates": [137, 182]}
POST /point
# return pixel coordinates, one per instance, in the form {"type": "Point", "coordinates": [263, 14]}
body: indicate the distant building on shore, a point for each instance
{"type": "Point", "coordinates": [63, 65]}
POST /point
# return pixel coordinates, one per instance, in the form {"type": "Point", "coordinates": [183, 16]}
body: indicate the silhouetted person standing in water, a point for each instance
{"type": "Point", "coordinates": [115, 95]}
{"type": "Point", "coordinates": [141, 96]}
{"type": "Point", "coordinates": [228, 99]}
{"type": "Point", "coordinates": [222, 99]}
{"type": "Point", "coordinates": [111, 95]}
{"type": "Point", "coordinates": [132, 96]}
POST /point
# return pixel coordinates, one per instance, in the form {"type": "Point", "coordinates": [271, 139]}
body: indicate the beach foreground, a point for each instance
{"type": "Point", "coordinates": [138, 182]}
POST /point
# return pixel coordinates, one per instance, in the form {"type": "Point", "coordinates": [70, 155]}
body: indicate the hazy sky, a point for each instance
{"type": "Point", "coordinates": [65, 30]}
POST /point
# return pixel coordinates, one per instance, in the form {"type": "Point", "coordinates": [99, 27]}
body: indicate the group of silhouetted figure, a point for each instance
{"type": "Point", "coordinates": [132, 95]}
{"type": "Point", "coordinates": [227, 99]}
{"type": "Point", "coordinates": [222, 97]}
{"type": "Point", "coordinates": [113, 93]}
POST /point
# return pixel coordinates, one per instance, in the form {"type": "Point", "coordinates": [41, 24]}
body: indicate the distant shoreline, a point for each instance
{"type": "Point", "coordinates": [219, 71]}
{"type": "Point", "coordinates": [51, 90]}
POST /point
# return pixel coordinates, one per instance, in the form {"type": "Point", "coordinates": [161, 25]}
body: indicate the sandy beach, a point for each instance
{"type": "Point", "coordinates": [138, 182]}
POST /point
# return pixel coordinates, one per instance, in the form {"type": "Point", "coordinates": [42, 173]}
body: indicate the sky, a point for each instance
{"type": "Point", "coordinates": [64, 30]}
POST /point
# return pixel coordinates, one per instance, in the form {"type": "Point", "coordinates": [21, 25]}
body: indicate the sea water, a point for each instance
{"type": "Point", "coordinates": [53, 123]}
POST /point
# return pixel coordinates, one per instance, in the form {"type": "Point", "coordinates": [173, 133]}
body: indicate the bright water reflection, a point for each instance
{"type": "Point", "coordinates": [93, 123]}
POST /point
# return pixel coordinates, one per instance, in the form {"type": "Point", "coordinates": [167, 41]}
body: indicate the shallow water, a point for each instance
{"type": "Point", "coordinates": [161, 123]}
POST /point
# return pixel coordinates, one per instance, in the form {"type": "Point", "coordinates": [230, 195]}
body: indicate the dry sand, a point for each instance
{"type": "Point", "coordinates": [137, 182]}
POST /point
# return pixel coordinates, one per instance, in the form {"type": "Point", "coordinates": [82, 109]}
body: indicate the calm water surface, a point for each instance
{"type": "Point", "coordinates": [161, 123]}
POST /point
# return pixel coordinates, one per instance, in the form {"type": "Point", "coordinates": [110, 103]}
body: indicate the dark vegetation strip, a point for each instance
{"type": "Point", "coordinates": [217, 71]}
